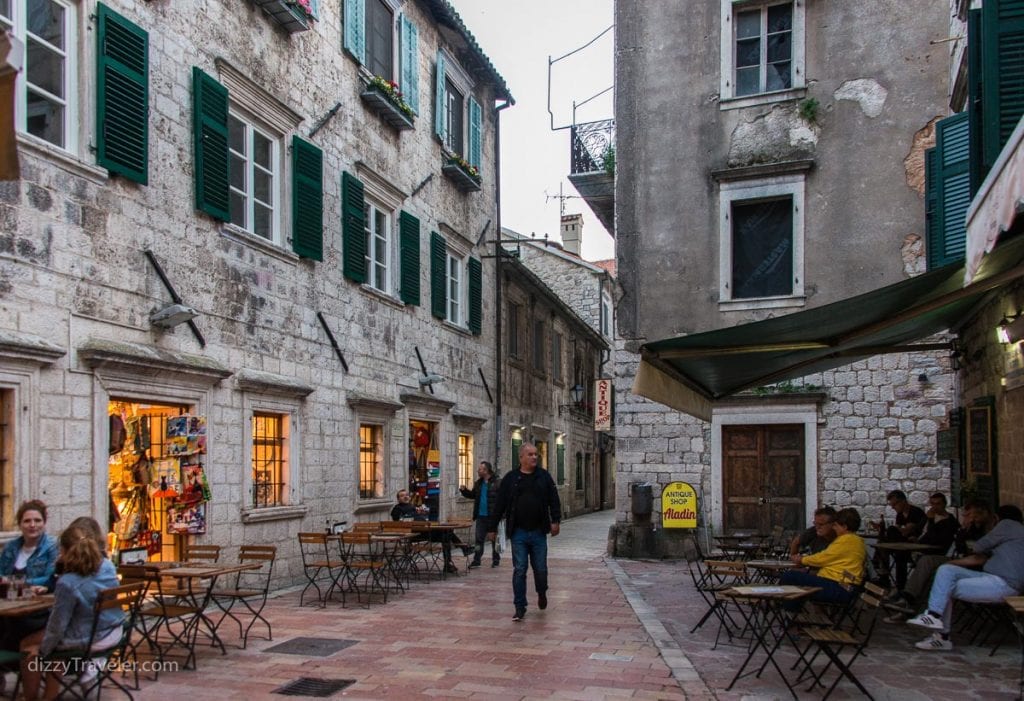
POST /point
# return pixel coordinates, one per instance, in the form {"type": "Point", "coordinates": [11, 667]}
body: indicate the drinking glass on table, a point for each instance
{"type": "Point", "coordinates": [18, 585]}
{"type": "Point", "coordinates": [5, 587]}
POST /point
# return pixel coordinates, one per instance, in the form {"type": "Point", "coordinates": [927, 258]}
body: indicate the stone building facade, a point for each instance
{"type": "Point", "coordinates": [803, 125]}
{"type": "Point", "coordinates": [244, 162]}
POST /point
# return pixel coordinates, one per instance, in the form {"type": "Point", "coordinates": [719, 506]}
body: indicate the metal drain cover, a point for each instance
{"type": "Point", "coordinates": [317, 688]}
{"type": "Point", "coordinates": [311, 647]}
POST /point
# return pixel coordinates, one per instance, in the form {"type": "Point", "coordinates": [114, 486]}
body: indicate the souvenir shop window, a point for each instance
{"type": "Point", "coordinates": [466, 475]}
{"type": "Point", "coordinates": [371, 461]}
{"type": "Point", "coordinates": [269, 459]}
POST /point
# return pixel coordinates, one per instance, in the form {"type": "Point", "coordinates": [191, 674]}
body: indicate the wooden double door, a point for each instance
{"type": "Point", "coordinates": [763, 477]}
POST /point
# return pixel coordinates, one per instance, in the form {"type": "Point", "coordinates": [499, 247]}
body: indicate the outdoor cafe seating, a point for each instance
{"type": "Point", "coordinates": [246, 596]}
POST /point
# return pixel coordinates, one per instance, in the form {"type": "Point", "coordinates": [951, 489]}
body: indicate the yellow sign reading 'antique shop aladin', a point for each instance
{"type": "Point", "coordinates": [678, 506]}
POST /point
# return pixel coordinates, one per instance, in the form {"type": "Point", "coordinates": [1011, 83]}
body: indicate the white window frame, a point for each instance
{"type": "Point", "coordinates": [454, 72]}
{"type": "Point", "coordinates": [18, 24]}
{"type": "Point", "coordinates": [372, 209]}
{"type": "Point", "coordinates": [380, 483]}
{"type": "Point", "coordinates": [252, 127]}
{"type": "Point", "coordinates": [727, 93]}
{"type": "Point", "coordinates": [291, 471]}
{"type": "Point", "coordinates": [285, 424]}
{"type": "Point", "coordinates": [380, 193]}
{"type": "Point", "coordinates": [456, 311]}
{"type": "Point", "coordinates": [747, 191]}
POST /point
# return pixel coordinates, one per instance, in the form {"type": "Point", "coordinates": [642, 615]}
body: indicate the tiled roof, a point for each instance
{"type": "Point", "coordinates": [445, 14]}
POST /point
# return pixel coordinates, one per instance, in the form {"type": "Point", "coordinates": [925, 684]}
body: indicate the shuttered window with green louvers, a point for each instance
{"type": "Point", "coordinates": [1002, 74]}
{"type": "Point", "coordinates": [947, 191]}
{"type": "Point", "coordinates": [475, 295]}
{"type": "Point", "coordinates": [210, 134]}
{"type": "Point", "coordinates": [353, 228]}
{"type": "Point", "coordinates": [438, 275]}
{"type": "Point", "coordinates": [122, 96]}
{"type": "Point", "coordinates": [307, 200]}
{"type": "Point", "coordinates": [409, 247]}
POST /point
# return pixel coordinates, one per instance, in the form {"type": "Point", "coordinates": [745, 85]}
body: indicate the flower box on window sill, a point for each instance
{"type": "Point", "coordinates": [383, 106]}
{"type": "Point", "coordinates": [288, 15]}
{"type": "Point", "coordinates": [462, 178]}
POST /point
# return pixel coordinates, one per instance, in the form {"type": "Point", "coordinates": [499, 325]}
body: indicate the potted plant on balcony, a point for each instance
{"type": "Point", "coordinates": [385, 98]}
{"type": "Point", "coordinates": [465, 176]}
{"type": "Point", "coordinates": [292, 15]}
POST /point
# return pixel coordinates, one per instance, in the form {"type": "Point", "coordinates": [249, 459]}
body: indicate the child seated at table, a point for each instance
{"type": "Point", "coordinates": [847, 553]}
{"type": "Point", "coordinates": [86, 573]}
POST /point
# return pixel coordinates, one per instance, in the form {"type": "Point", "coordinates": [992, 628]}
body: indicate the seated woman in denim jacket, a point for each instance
{"type": "Point", "coordinates": [86, 573]}
{"type": "Point", "coordinates": [34, 555]}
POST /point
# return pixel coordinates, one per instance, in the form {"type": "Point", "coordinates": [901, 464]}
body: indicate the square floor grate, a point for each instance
{"type": "Point", "coordinates": [317, 688]}
{"type": "Point", "coordinates": [311, 647]}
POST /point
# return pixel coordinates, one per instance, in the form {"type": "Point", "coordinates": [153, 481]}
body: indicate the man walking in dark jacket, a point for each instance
{"type": "Point", "coordinates": [528, 501]}
{"type": "Point", "coordinates": [484, 495]}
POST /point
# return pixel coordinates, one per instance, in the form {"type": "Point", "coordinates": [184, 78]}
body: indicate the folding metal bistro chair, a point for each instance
{"type": "Point", "coordinates": [710, 578]}
{"type": "Point", "coordinates": [249, 589]}
{"type": "Point", "coordinates": [321, 565]}
{"type": "Point", "coordinates": [364, 558]}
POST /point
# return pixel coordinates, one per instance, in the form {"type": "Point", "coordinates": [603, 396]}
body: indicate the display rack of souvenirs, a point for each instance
{"type": "Point", "coordinates": [186, 442]}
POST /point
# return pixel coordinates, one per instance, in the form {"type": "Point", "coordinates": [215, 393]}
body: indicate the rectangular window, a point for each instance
{"type": "Point", "coordinates": [455, 289]}
{"type": "Point", "coordinates": [606, 315]}
{"type": "Point", "coordinates": [513, 330]}
{"type": "Point", "coordinates": [253, 170]}
{"type": "Point", "coordinates": [764, 49]}
{"type": "Point", "coordinates": [556, 357]}
{"type": "Point", "coordinates": [45, 92]}
{"type": "Point", "coordinates": [560, 460]}
{"type": "Point", "coordinates": [579, 472]}
{"type": "Point", "coordinates": [378, 247]}
{"type": "Point", "coordinates": [455, 118]}
{"type": "Point", "coordinates": [466, 476]}
{"type": "Point", "coordinates": [542, 454]}
{"type": "Point", "coordinates": [538, 345]}
{"type": "Point", "coordinates": [7, 425]}
{"type": "Point", "coordinates": [380, 38]}
{"type": "Point", "coordinates": [269, 458]}
{"type": "Point", "coordinates": [371, 461]}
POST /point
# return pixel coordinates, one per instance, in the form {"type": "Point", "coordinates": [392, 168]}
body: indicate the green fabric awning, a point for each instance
{"type": "Point", "coordinates": [689, 372]}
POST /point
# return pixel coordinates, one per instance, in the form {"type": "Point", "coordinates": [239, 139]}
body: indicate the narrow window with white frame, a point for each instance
{"type": "Point", "coordinates": [762, 48]}
{"type": "Point", "coordinates": [456, 289]}
{"type": "Point", "coordinates": [254, 169]}
{"type": "Point", "coordinates": [46, 88]}
{"type": "Point", "coordinates": [371, 461]}
{"type": "Point", "coordinates": [378, 246]}
{"type": "Point", "coordinates": [454, 117]}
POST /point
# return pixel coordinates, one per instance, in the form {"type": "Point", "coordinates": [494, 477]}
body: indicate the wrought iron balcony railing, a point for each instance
{"type": "Point", "coordinates": [593, 147]}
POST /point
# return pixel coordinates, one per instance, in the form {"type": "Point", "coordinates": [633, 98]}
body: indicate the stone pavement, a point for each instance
{"type": "Point", "coordinates": [614, 629]}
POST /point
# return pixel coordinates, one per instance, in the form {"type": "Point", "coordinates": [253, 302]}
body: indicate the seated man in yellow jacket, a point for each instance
{"type": "Point", "coordinates": [847, 553]}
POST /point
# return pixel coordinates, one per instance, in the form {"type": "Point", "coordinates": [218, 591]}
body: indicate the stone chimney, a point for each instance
{"type": "Point", "coordinates": [572, 233]}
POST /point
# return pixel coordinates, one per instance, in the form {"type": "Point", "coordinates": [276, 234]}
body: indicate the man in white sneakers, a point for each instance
{"type": "Point", "coordinates": [1000, 554]}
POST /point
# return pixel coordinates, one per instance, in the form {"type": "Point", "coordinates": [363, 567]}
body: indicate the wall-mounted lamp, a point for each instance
{"type": "Point", "coordinates": [429, 380]}
{"type": "Point", "coordinates": [172, 315]}
{"type": "Point", "coordinates": [1011, 330]}
{"type": "Point", "coordinates": [576, 395]}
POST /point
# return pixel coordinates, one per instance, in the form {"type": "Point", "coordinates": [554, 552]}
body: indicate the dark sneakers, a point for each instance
{"type": "Point", "coordinates": [495, 562]}
{"type": "Point", "coordinates": [519, 615]}
{"type": "Point", "coordinates": [542, 601]}
{"type": "Point", "coordinates": [474, 563]}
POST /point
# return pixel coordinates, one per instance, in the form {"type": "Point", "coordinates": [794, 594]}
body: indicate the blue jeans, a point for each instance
{"type": "Point", "coordinates": [832, 592]}
{"type": "Point", "coordinates": [532, 545]}
{"type": "Point", "coordinates": [955, 582]}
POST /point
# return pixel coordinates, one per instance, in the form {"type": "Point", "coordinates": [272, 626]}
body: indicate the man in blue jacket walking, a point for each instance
{"type": "Point", "coordinates": [528, 501]}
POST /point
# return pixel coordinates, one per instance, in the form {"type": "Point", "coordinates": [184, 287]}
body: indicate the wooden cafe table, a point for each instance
{"type": "Point", "coordinates": [25, 605]}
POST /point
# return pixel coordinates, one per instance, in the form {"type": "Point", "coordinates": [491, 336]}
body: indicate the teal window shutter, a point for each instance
{"type": "Point", "coordinates": [475, 295]}
{"type": "Point", "coordinates": [410, 80]}
{"type": "Point", "coordinates": [307, 199]}
{"type": "Point", "coordinates": [951, 185]}
{"type": "Point", "coordinates": [210, 134]}
{"type": "Point", "coordinates": [475, 133]}
{"type": "Point", "coordinates": [353, 228]}
{"type": "Point", "coordinates": [314, 7]}
{"type": "Point", "coordinates": [931, 197]}
{"type": "Point", "coordinates": [1002, 74]}
{"type": "Point", "coordinates": [560, 462]}
{"type": "Point", "coordinates": [516, 444]}
{"type": "Point", "coordinates": [122, 96]}
{"type": "Point", "coordinates": [438, 275]}
{"type": "Point", "coordinates": [439, 95]}
{"type": "Point", "coordinates": [409, 247]}
{"type": "Point", "coordinates": [355, 29]}
{"type": "Point", "coordinates": [974, 92]}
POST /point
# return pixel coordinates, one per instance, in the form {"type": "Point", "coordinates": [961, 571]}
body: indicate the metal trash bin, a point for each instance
{"type": "Point", "coordinates": [642, 498]}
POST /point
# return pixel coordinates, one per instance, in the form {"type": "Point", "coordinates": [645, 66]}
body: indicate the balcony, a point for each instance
{"type": "Point", "coordinates": [288, 15]}
{"type": "Point", "coordinates": [592, 168]}
{"type": "Point", "coordinates": [387, 104]}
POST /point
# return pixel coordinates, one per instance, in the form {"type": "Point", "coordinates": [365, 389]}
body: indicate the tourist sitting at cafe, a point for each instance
{"type": "Point", "coordinates": [976, 519]}
{"type": "Point", "coordinates": [86, 573]}
{"type": "Point", "coordinates": [818, 536]}
{"type": "Point", "coordinates": [405, 510]}
{"type": "Point", "coordinates": [845, 554]}
{"type": "Point", "coordinates": [910, 523]}
{"type": "Point", "coordinates": [1000, 554]}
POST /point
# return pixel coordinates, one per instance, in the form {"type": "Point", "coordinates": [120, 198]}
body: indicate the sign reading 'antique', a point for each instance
{"type": "Point", "coordinates": [678, 506]}
{"type": "Point", "coordinates": [603, 405]}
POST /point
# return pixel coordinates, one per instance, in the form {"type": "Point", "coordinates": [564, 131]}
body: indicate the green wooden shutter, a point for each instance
{"type": "Point", "coordinates": [210, 133]}
{"type": "Point", "coordinates": [475, 133]}
{"type": "Point", "coordinates": [409, 246]}
{"type": "Point", "coordinates": [1002, 74]}
{"type": "Point", "coordinates": [439, 101]}
{"type": "Point", "coordinates": [410, 85]}
{"type": "Point", "coordinates": [475, 295]}
{"type": "Point", "coordinates": [122, 96]}
{"type": "Point", "coordinates": [355, 29]}
{"type": "Point", "coordinates": [560, 463]}
{"type": "Point", "coordinates": [931, 202]}
{"type": "Point", "coordinates": [516, 444]}
{"type": "Point", "coordinates": [438, 276]}
{"type": "Point", "coordinates": [974, 92]}
{"type": "Point", "coordinates": [353, 228]}
{"type": "Point", "coordinates": [307, 199]}
{"type": "Point", "coordinates": [951, 187]}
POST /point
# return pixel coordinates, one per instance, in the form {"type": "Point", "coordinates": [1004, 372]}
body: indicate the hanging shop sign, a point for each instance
{"type": "Point", "coordinates": [678, 506]}
{"type": "Point", "coordinates": [603, 405]}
